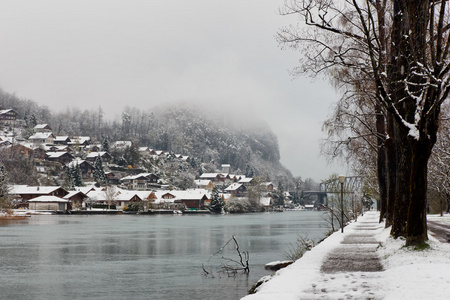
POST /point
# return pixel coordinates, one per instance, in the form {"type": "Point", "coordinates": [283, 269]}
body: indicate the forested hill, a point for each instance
{"type": "Point", "coordinates": [250, 147]}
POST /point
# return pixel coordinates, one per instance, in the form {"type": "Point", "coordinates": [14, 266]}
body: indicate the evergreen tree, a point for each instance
{"type": "Point", "coordinates": [217, 203]}
{"type": "Point", "coordinates": [105, 144]}
{"type": "Point", "coordinates": [4, 203]}
{"type": "Point", "coordinates": [99, 174]}
{"type": "Point", "coordinates": [77, 178]}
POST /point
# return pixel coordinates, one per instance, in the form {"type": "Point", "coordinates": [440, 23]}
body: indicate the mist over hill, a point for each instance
{"type": "Point", "coordinates": [212, 137]}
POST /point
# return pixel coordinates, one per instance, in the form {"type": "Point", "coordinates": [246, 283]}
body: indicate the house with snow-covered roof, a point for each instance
{"type": "Point", "coordinates": [142, 181]}
{"type": "Point", "coordinates": [61, 157]}
{"type": "Point", "coordinates": [122, 144]}
{"type": "Point", "coordinates": [92, 156]}
{"type": "Point", "coordinates": [42, 128]}
{"type": "Point", "coordinates": [86, 168]}
{"type": "Point", "coordinates": [61, 140]}
{"type": "Point", "coordinates": [48, 203]}
{"type": "Point", "coordinates": [215, 177]}
{"type": "Point", "coordinates": [247, 181]}
{"type": "Point", "coordinates": [81, 141]}
{"type": "Point", "coordinates": [42, 138]}
{"type": "Point", "coordinates": [29, 192]}
{"type": "Point", "coordinates": [76, 198]}
{"type": "Point", "coordinates": [204, 184]}
{"type": "Point", "coordinates": [8, 116]}
{"type": "Point", "coordinates": [236, 190]}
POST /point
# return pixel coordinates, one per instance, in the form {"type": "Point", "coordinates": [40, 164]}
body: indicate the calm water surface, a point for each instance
{"type": "Point", "coordinates": [142, 257]}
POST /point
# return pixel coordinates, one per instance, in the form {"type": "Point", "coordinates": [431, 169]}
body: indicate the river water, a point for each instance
{"type": "Point", "coordinates": [143, 256]}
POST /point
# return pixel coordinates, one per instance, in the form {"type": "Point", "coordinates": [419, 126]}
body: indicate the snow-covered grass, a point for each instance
{"type": "Point", "coordinates": [407, 274]}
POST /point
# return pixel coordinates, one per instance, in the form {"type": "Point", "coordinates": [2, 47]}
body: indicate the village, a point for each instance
{"type": "Point", "coordinates": [86, 179]}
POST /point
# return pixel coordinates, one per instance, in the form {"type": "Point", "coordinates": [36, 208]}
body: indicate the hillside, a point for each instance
{"type": "Point", "coordinates": [211, 138]}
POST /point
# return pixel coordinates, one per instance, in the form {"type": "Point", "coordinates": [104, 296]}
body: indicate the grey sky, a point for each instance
{"type": "Point", "coordinates": [113, 53]}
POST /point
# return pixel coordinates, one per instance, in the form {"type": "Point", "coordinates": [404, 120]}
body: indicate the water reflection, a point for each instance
{"type": "Point", "coordinates": [157, 257]}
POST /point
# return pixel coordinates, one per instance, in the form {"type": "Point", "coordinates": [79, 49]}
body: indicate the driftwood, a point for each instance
{"type": "Point", "coordinates": [231, 266]}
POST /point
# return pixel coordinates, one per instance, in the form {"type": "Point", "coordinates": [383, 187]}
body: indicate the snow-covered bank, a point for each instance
{"type": "Point", "coordinates": [407, 274]}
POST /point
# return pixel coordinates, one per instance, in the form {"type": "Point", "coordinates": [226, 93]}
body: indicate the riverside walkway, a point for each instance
{"type": "Point", "coordinates": [343, 266]}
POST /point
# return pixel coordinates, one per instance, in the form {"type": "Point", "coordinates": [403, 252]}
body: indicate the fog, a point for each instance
{"type": "Point", "coordinates": [217, 54]}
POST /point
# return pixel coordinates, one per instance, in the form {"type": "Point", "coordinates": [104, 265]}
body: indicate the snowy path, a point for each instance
{"type": "Point", "coordinates": [344, 266]}
{"type": "Point", "coordinates": [347, 266]}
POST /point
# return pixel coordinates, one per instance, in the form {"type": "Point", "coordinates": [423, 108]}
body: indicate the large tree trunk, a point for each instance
{"type": "Point", "coordinates": [416, 230]}
{"type": "Point", "coordinates": [402, 183]}
{"type": "Point", "coordinates": [381, 160]}
{"type": "Point", "coordinates": [391, 171]}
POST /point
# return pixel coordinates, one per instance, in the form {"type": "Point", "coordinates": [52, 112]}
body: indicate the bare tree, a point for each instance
{"type": "Point", "coordinates": [110, 195]}
{"type": "Point", "coordinates": [401, 47]}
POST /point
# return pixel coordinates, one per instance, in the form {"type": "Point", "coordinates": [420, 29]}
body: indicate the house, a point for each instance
{"type": "Point", "coordinates": [226, 168]}
{"type": "Point", "coordinates": [265, 202]}
{"type": "Point", "coordinates": [268, 186]}
{"type": "Point", "coordinates": [59, 148]}
{"type": "Point", "coordinates": [62, 140]}
{"type": "Point", "coordinates": [144, 152]}
{"type": "Point", "coordinates": [247, 181]}
{"type": "Point", "coordinates": [61, 157]}
{"type": "Point", "coordinates": [86, 168]}
{"type": "Point", "coordinates": [8, 116]}
{"type": "Point", "coordinates": [121, 145]}
{"type": "Point", "coordinates": [76, 198]}
{"type": "Point", "coordinates": [186, 158]}
{"type": "Point", "coordinates": [111, 178]}
{"type": "Point", "coordinates": [51, 203]}
{"type": "Point", "coordinates": [204, 184]}
{"type": "Point", "coordinates": [215, 177]}
{"type": "Point", "coordinates": [24, 150]}
{"type": "Point", "coordinates": [80, 141]}
{"type": "Point", "coordinates": [236, 190]}
{"type": "Point", "coordinates": [42, 128]}
{"type": "Point", "coordinates": [142, 181]}
{"type": "Point", "coordinates": [123, 197]}
{"type": "Point", "coordinates": [30, 192]}
{"type": "Point", "coordinates": [164, 200]}
{"type": "Point", "coordinates": [42, 138]}
{"type": "Point", "coordinates": [191, 199]}
{"type": "Point", "coordinates": [105, 156]}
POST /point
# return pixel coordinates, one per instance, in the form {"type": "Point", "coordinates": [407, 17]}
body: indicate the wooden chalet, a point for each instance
{"type": "Point", "coordinates": [61, 157]}
{"type": "Point", "coordinates": [8, 116]}
{"type": "Point", "coordinates": [236, 190]}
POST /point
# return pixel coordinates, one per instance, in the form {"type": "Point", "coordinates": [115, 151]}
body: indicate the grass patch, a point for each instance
{"type": "Point", "coordinates": [421, 247]}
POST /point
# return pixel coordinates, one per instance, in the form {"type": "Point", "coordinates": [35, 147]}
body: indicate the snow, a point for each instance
{"type": "Point", "coordinates": [407, 274]}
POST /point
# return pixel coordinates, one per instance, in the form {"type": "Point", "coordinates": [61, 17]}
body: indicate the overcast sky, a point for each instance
{"type": "Point", "coordinates": [141, 53]}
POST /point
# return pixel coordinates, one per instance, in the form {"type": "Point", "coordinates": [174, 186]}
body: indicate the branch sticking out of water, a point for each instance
{"type": "Point", "coordinates": [231, 266]}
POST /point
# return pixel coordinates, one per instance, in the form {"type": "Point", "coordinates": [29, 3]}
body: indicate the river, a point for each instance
{"type": "Point", "coordinates": [143, 256]}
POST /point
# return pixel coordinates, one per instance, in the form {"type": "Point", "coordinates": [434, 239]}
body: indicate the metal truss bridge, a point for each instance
{"type": "Point", "coordinates": [352, 185]}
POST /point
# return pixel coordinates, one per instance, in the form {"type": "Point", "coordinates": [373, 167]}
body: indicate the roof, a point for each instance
{"type": "Point", "coordinates": [123, 144]}
{"type": "Point", "coordinates": [5, 111]}
{"type": "Point", "coordinates": [133, 177]}
{"type": "Point", "coordinates": [48, 199]}
{"type": "Point", "coordinates": [202, 181]}
{"type": "Point", "coordinates": [37, 190]}
{"type": "Point", "coordinates": [78, 161]}
{"type": "Point", "coordinates": [42, 126]}
{"type": "Point", "coordinates": [233, 187]}
{"type": "Point", "coordinates": [74, 193]}
{"type": "Point", "coordinates": [80, 139]}
{"type": "Point", "coordinates": [62, 138]}
{"type": "Point", "coordinates": [57, 154]}
{"type": "Point", "coordinates": [95, 154]}
{"type": "Point", "coordinates": [40, 136]}
{"type": "Point", "coordinates": [210, 175]}
{"type": "Point", "coordinates": [246, 180]}
{"type": "Point", "coordinates": [265, 201]}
